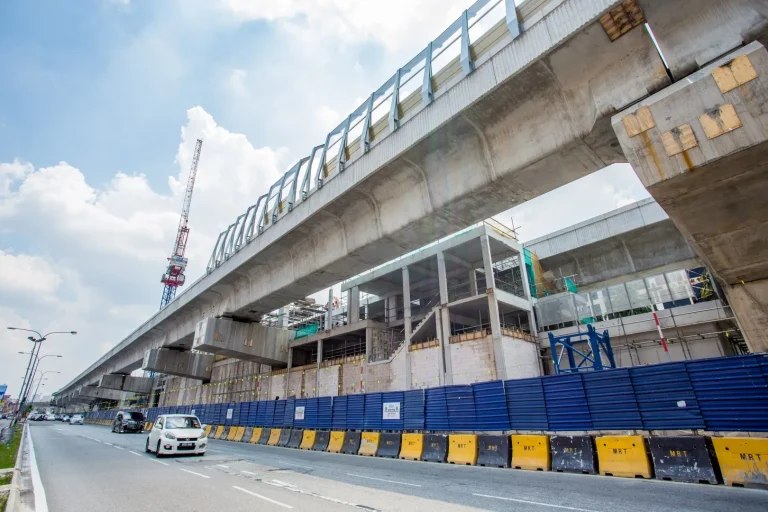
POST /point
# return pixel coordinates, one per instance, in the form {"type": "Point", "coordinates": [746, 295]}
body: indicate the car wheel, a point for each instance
{"type": "Point", "coordinates": [146, 446]}
{"type": "Point", "coordinates": [201, 454]}
{"type": "Point", "coordinates": [157, 453]}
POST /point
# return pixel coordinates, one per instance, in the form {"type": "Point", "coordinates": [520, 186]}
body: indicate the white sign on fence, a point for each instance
{"type": "Point", "coordinates": [193, 412]}
{"type": "Point", "coordinates": [299, 414]}
{"type": "Point", "coordinates": [229, 414]}
{"type": "Point", "coordinates": [391, 411]}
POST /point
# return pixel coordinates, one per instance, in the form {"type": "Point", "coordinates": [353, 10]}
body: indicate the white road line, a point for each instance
{"type": "Point", "coordinates": [159, 462]}
{"type": "Point", "coordinates": [193, 473]}
{"type": "Point", "coordinates": [382, 480]}
{"type": "Point", "coordinates": [282, 484]}
{"type": "Point", "coordinates": [41, 503]}
{"type": "Point", "coordinates": [222, 466]}
{"type": "Point", "coordinates": [297, 465]}
{"type": "Point", "coordinates": [106, 443]}
{"type": "Point", "coordinates": [535, 503]}
{"type": "Point", "coordinates": [131, 451]}
{"type": "Point", "coordinates": [117, 447]}
{"type": "Point", "coordinates": [274, 502]}
{"type": "Point", "coordinates": [247, 472]}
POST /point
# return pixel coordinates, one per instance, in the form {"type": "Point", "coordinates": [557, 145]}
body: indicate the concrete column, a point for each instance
{"type": "Point", "coordinates": [407, 325]}
{"type": "Point", "coordinates": [442, 278]}
{"type": "Point", "coordinates": [440, 338]}
{"type": "Point", "coordinates": [445, 348]}
{"type": "Point", "coordinates": [472, 282]}
{"type": "Point", "coordinates": [353, 305]}
{"type": "Point", "coordinates": [317, 373]}
{"type": "Point", "coordinates": [329, 313]}
{"type": "Point", "coordinates": [443, 318]}
{"type": "Point", "coordinates": [288, 373]}
{"type": "Point", "coordinates": [282, 318]}
{"type": "Point", "coordinates": [527, 289]}
{"type": "Point", "coordinates": [368, 342]}
{"type": "Point", "coordinates": [493, 309]}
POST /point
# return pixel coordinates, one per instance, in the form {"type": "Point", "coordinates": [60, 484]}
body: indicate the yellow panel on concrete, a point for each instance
{"type": "Point", "coordinates": [336, 442]}
{"type": "Point", "coordinates": [369, 443]}
{"type": "Point", "coordinates": [274, 437]}
{"type": "Point", "coordinates": [207, 430]}
{"type": "Point", "coordinates": [239, 432]}
{"type": "Point", "coordinates": [219, 431]}
{"type": "Point", "coordinates": [622, 456]}
{"type": "Point", "coordinates": [742, 460]}
{"type": "Point", "coordinates": [412, 446]}
{"type": "Point", "coordinates": [256, 435]}
{"type": "Point", "coordinates": [531, 452]}
{"type": "Point", "coordinates": [308, 440]}
{"type": "Point", "coordinates": [462, 449]}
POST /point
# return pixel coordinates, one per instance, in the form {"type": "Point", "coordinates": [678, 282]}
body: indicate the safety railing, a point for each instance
{"type": "Point", "coordinates": [414, 86]}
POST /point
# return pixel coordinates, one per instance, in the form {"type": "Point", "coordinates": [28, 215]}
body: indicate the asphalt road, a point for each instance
{"type": "Point", "coordinates": [88, 468]}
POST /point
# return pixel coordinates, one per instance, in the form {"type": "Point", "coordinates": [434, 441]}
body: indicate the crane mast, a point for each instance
{"type": "Point", "coordinates": [174, 274]}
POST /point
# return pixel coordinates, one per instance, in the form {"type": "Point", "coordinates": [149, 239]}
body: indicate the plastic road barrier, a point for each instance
{"type": "Point", "coordinates": [462, 449]}
{"type": "Point", "coordinates": [224, 433]}
{"type": "Point", "coordinates": [207, 430]}
{"type": "Point", "coordinates": [412, 447]}
{"type": "Point", "coordinates": [274, 436]}
{"type": "Point", "coordinates": [234, 432]}
{"type": "Point", "coordinates": [623, 456]}
{"type": "Point", "coordinates": [351, 443]}
{"type": "Point", "coordinates": [308, 440]}
{"type": "Point", "coordinates": [266, 435]}
{"type": "Point", "coordinates": [493, 451]}
{"type": "Point", "coordinates": [247, 434]}
{"type": "Point", "coordinates": [369, 443]}
{"type": "Point", "coordinates": [219, 431]}
{"type": "Point", "coordinates": [435, 448]}
{"type": "Point", "coordinates": [531, 452]}
{"type": "Point", "coordinates": [336, 442]}
{"type": "Point", "coordinates": [389, 445]}
{"type": "Point", "coordinates": [148, 426]}
{"type": "Point", "coordinates": [743, 460]}
{"type": "Point", "coordinates": [683, 459]}
{"type": "Point", "coordinates": [256, 436]}
{"type": "Point", "coordinates": [321, 441]}
{"type": "Point", "coordinates": [285, 437]}
{"type": "Point", "coordinates": [573, 454]}
{"type": "Point", "coordinates": [295, 440]}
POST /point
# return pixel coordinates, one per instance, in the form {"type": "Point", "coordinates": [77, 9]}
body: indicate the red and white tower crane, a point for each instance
{"type": "Point", "coordinates": [174, 274]}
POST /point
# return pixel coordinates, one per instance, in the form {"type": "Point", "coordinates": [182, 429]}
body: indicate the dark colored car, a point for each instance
{"type": "Point", "coordinates": [128, 422]}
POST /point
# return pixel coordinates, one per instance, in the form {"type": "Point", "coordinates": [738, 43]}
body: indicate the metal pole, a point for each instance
{"type": "Point", "coordinates": [661, 334]}
{"type": "Point", "coordinates": [24, 381]}
{"type": "Point", "coordinates": [25, 391]}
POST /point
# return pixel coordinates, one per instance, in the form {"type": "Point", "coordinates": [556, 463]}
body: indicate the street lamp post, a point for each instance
{"type": "Point", "coordinates": [33, 361]}
{"type": "Point", "coordinates": [40, 381]}
{"type": "Point", "coordinates": [35, 368]}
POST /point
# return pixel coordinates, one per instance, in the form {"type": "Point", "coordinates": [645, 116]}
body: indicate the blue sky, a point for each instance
{"type": "Point", "coordinates": [101, 102]}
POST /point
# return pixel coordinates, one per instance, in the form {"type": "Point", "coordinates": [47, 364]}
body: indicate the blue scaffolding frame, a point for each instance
{"type": "Point", "coordinates": [599, 348]}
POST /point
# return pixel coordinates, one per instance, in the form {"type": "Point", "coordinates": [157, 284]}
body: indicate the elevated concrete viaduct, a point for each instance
{"type": "Point", "coordinates": [127, 383]}
{"type": "Point", "coordinates": [525, 109]}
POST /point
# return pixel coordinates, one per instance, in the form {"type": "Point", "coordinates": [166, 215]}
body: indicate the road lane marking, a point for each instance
{"type": "Point", "coordinates": [247, 472]}
{"type": "Point", "coordinates": [118, 448]}
{"type": "Point", "coordinates": [193, 473]}
{"type": "Point", "coordinates": [297, 465]}
{"type": "Point", "coordinates": [534, 503]}
{"type": "Point", "coordinates": [274, 502]}
{"type": "Point", "coordinates": [131, 451]}
{"type": "Point", "coordinates": [159, 462]}
{"type": "Point", "coordinates": [222, 466]}
{"type": "Point", "coordinates": [41, 503]}
{"type": "Point", "coordinates": [282, 484]}
{"type": "Point", "coordinates": [106, 443]}
{"type": "Point", "coordinates": [382, 480]}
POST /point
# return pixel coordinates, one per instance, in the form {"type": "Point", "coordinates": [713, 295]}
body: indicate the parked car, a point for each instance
{"type": "Point", "coordinates": [65, 418]}
{"type": "Point", "coordinates": [128, 422]}
{"type": "Point", "coordinates": [50, 417]}
{"type": "Point", "coordinates": [76, 419]}
{"type": "Point", "coordinates": [174, 434]}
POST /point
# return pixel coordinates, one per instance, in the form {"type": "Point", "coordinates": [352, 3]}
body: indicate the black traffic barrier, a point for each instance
{"type": "Point", "coordinates": [295, 439]}
{"type": "Point", "coordinates": [573, 454]}
{"type": "Point", "coordinates": [684, 459]}
{"type": "Point", "coordinates": [389, 445]}
{"type": "Point", "coordinates": [493, 451]}
{"type": "Point", "coordinates": [247, 435]}
{"type": "Point", "coordinates": [285, 437]}
{"type": "Point", "coordinates": [224, 434]}
{"type": "Point", "coordinates": [264, 437]}
{"type": "Point", "coordinates": [322, 437]}
{"type": "Point", "coordinates": [435, 448]}
{"type": "Point", "coordinates": [351, 443]}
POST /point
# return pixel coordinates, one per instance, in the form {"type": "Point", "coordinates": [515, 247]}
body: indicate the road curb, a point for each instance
{"type": "Point", "coordinates": [14, 504]}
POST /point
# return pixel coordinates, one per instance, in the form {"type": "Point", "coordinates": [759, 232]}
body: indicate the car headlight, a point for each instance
{"type": "Point", "coordinates": [203, 436]}
{"type": "Point", "coordinates": [169, 435]}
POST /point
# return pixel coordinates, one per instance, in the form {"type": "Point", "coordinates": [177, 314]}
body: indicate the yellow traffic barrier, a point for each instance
{"type": "Point", "coordinates": [239, 432]}
{"type": "Point", "coordinates": [412, 446]}
{"type": "Point", "coordinates": [624, 456]}
{"type": "Point", "coordinates": [308, 440]}
{"type": "Point", "coordinates": [231, 434]}
{"type": "Point", "coordinates": [256, 435]}
{"type": "Point", "coordinates": [531, 452]}
{"type": "Point", "coordinates": [742, 460]}
{"type": "Point", "coordinates": [462, 449]}
{"type": "Point", "coordinates": [274, 437]}
{"type": "Point", "coordinates": [219, 431]}
{"type": "Point", "coordinates": [337, 442]}
{"type": "Point", "coordinates": [207, 430]}
{"type": "Point", "coordinates": [369, 443]}
{"type": "Point", "coordinates": [148, 426]}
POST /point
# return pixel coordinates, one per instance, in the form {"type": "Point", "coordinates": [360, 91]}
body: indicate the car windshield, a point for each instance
{"type": "Point", "coordinates": [136, 416]}
{"type": "Point", "coordinates": [185, 422]}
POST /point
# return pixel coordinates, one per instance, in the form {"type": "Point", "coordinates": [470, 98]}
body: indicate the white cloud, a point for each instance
{"type": "Point", "coordinates": [236, 82]}
{"type": "Point", "coordinates": [10, 172]}
{"type": "Point", "coordinates": [27, 274]}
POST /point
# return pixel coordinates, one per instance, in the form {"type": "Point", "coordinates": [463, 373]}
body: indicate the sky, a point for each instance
{"type": "Point", "coordinates": [101, 102]}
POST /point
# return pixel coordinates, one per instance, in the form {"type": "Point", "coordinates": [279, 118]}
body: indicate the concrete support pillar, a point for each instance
{"type": "Point", "coordinates": [282, 318]}
{"type": "Point", "coordinates": [329, 313]}
{"type": "Point", "coordinates": [443, 318]}
{"type": "Point", "coordinates": [493, 309]}
{"type": "Point", "coordinates": [441, 339]}
{"type": "Point", "coordinates": [442, 278]}
{"type": "Point", "coordinates": [528, 297]}
{"type": "Point", "coordinates": [445, 344]}
{"type": "Point", "coordinates": [472, 282]}
{"type": "Point", "coordinates": [288, 373]}
{"type": "Point", "coordinates": [353, 305]}
{"type": "Point", "coordinates": [319, 360]}
{"type": "Point", "coordinates": [390, 311]}
{"type": "Point", "coordinates": [407, 325]}
{"type": "Point", "coordinates": [368, 342]}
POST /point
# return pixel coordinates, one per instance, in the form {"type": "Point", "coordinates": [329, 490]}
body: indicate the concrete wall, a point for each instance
{"type": "Point", "coordinates": [473, 361]}
{"type": "Point", "coordinates": [521, 358]}
{"type": "Point", "coordinates": [328, 381]}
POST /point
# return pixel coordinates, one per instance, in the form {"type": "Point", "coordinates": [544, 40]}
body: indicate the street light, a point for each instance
{"type": "Point", "coordinates": [36, 367]}
{"type": "Point", "coordinates": [37, 342]}
{"type": "Point", "coordinates": [41, 380]}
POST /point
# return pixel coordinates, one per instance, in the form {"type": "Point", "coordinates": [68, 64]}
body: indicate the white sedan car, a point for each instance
{"type": "Point", "coordinates": [176, 434]}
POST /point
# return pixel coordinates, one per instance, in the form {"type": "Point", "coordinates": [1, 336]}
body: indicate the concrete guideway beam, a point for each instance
{"type": "Point", "coordinates": [95, 393]}
{"type": "Point", "coordinates": [112, 381]}
{"type": "Point", "coordinates": [138, 385]}
{"type": "Point", "coordinates": [700, 147]}
{"type": "Point", "coordinates": [192, 365]}
{"type": "Point", "coordinates": [245, 341]}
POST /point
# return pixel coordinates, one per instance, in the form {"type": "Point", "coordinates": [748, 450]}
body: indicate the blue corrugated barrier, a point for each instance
{"type": "Point", "coordinates": [720, 394]}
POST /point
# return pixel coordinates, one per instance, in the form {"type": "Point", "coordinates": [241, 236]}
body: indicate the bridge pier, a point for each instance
{"type": "Point", "coordinates": [700, 147]}
{"type": "Point", "coordinates": [193, 365]}
{"type": "Point", "coordinates": [92, 393]}
{"type": "Point", "coordinates": [244, 341]}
